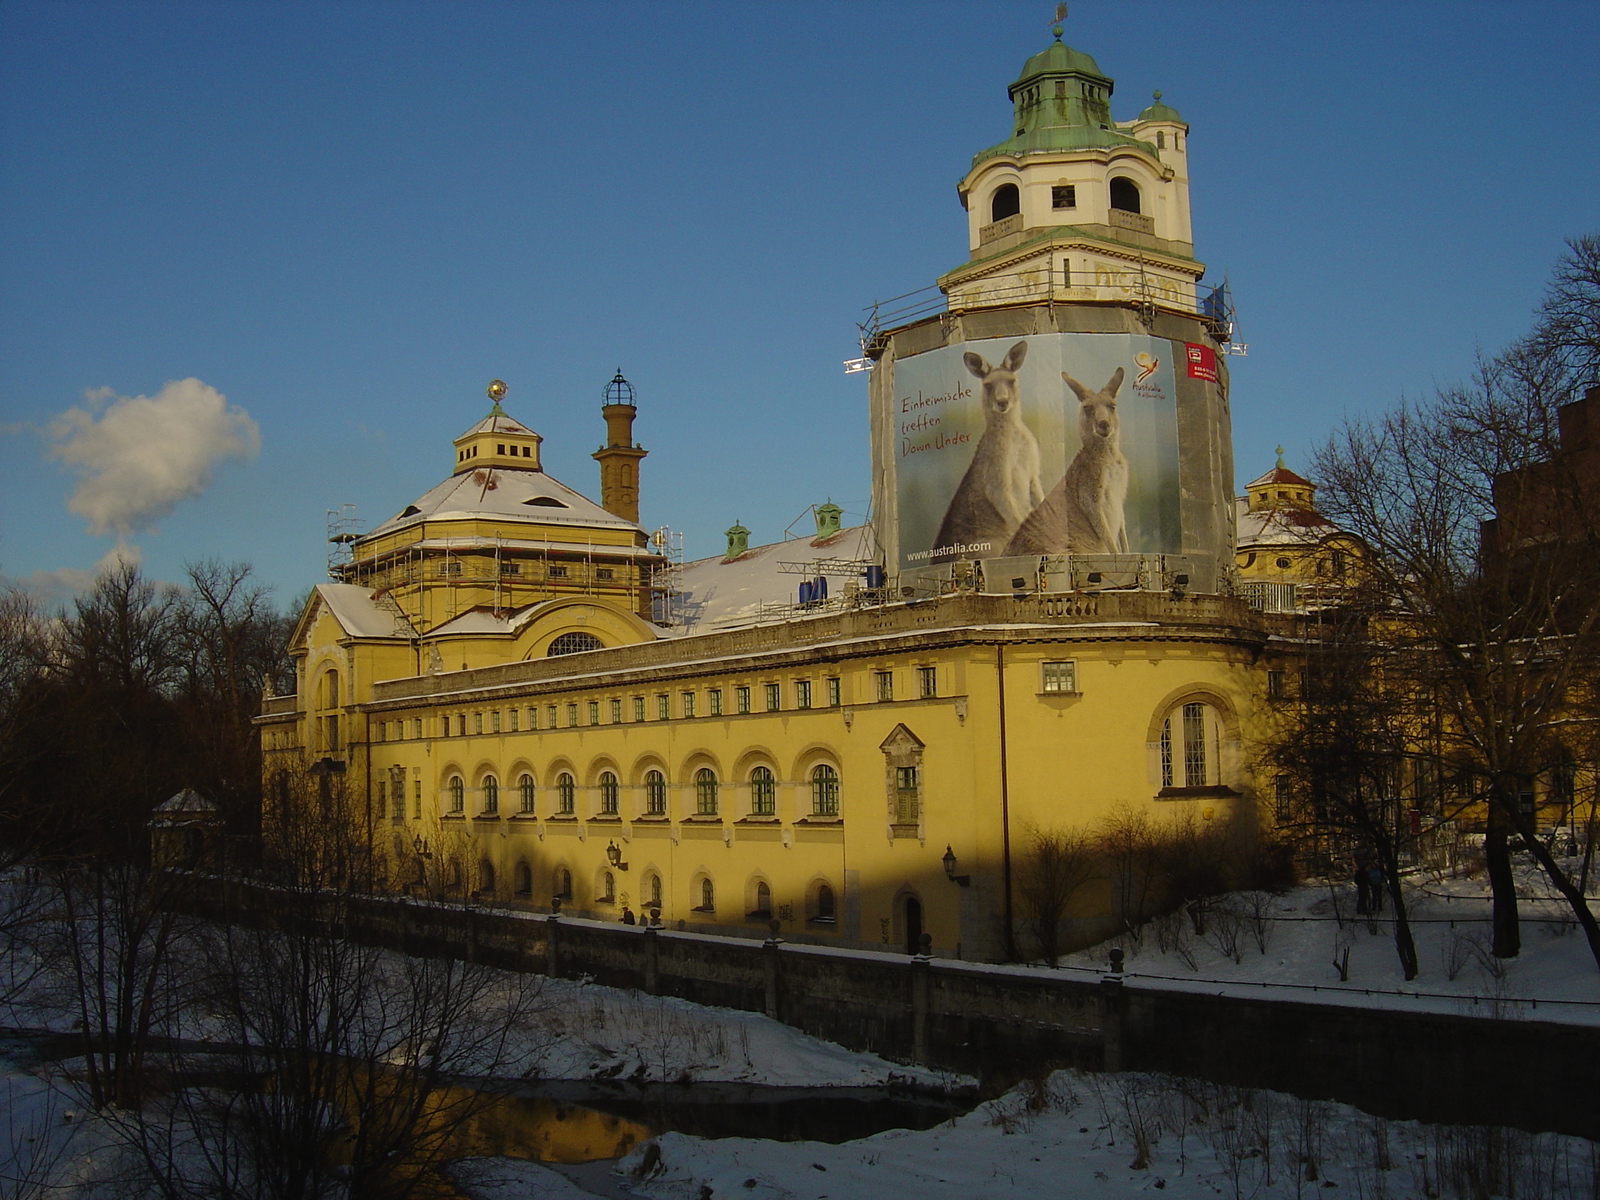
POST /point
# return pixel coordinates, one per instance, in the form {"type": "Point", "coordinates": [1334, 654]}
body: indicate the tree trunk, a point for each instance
{"type": "Point", "coordinates": [1405, 946]}
{"type": "Point", "coordinates": [1507, 941]}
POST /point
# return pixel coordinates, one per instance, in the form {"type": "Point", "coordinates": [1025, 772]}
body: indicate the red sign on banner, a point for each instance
{"type": "Point", "coordinates": [1202, 361]}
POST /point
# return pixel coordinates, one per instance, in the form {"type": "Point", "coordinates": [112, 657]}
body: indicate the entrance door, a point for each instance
{"type": "Point", "coordinates": [913, 925]}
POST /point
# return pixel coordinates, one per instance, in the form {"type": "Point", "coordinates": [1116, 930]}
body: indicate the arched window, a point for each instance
{"type": "Point", "coordinates": [763, 906]}
{"type": "Point", "coordinates": [491, 794]}
{"type": "Point", "coordinates": [655, 794]}
{"type": "Point", "coordinates": [486, 877]}
{"type": "Point", "coordinates": [330, 722]}
{"type": "Point", "coordinates": [563, 883]}
{"type": "Point", "coordinates": [824, 905]}
{"type": "Point", "coordinates": [458, 794]}
{"type": "Point", "coordinates": [708, 897]}
{"type": "Point", "coordinates": [824, 791]}
{"type": "Point", "coordinates": [575, 643]}
{"type": "Point", "coordinates": [608, 794]}
{"type": "Point", "coordinates": [525, 794]}
{"type": "Point", "coordinates": [524, 879]}
{"type": "Point", "coordinates": [705, 792]}
{"type": "Point", "coordinates": [653, 890]}
{"type": "Point", "coordinates": [1125, 194]}
{"type": "Point", "coordinates": [608, 888]}
{"type": "Point", "coordinates": [763, 793]}
{"type": "Point", "coordinates": [566, 795]}
{"type": "Point", "coordinates": [1190, 746]}
{"type": "Point", "coordinates": [1006, 202]}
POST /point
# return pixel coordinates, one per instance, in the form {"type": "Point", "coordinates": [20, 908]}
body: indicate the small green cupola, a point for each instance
{"type": "Point", "coordinates": [738, 541]}
{"type": "Point", "coordinates": [828, 520]}
{"type": "Point", "coordinates": [1158, 111]}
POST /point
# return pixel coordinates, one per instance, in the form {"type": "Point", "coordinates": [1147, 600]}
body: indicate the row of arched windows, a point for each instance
{"type": "Point", "coordinates": [762, 784]}
{"type": "Point", "coordinates": [1122, 193]}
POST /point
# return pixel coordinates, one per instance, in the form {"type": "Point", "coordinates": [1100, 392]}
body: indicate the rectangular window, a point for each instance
{"type": "Point", "coordinates": [834, 693]}
{"type": "Point", "coordinates": [638, 708]}
{"type": "Point", "coordinates": [550, 716]}
{"type": "Point", "coordinates": [509, 568]}
{"type": "Point", "coordinates": [604, 573]}
{"type": "Point", "coordinates": [494, 722]}
{"type": "Point", "coordinates": [907, 806]}
{"type": "Point", "coordinates": [594, 712]}
{"type": "Point", "coordinates": [616, 710]}
{"type": "Point", "coordinates": [572, 715]}
{"type": "Point", "coordinates": [477, 722]}
{"type": "Point", "coordinates": [1064, 195]}
{"type": "Point", "coordinates": [450, 569]}
{"type": "Point", "coordinates": [1058, 677]}
{"type": "Point", "coordinates": [741, 698]}
{"type": "Point", "coordinates": [461, 724]}
{"type": "Point", "coordinates": [1066, 272]}
{"type": "Point", "coordinates": [1282, 797]}
{"type": "Point", "coordinates": [688, 704]}
{"type": "Point", "coordinates": [511, 720]}
{"type": "Point", "coordinates": [774, 697]}
{"type": "Point", "coordinates": [802, 693]}
{"type": "Point", "coordinates": [1194, 745]}
{"type": "Point", "coordinates": [663, 707]}
{"type": "Point", "coordinates": [444, 726]}
{"type": "Point", "coordinates": [714, 701]}
{"type": "Point", "coordinates": [885, 681]}
{"type": "Point", "coordinates": [1274, 685]}
{"type": "Point", "coordinates": [383, 797]}
{"type": "Point", "coordinates": [927, 682]}
{"type": "Point", "coordinates": [416, 799]}
{"type": "Point", "coordinates": [558, 572]}
{"type": "Point", "coordinates": [417, 724]}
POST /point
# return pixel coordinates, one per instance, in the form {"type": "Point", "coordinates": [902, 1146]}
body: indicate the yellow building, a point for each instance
{"type": "Point", "coordinates": [852, 733]}
{"type": "Point", "coordinates": [1290, 557]}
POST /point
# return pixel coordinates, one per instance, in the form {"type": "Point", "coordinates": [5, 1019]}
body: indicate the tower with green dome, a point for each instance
{"type": "Point", "coordinates": [1080, 281]}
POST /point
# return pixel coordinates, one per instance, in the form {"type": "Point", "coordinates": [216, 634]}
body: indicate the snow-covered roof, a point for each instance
{"type": "Point", "coordinates": [358, 613]}
{"type": "Point", "coordinates": [186, 801]}
{"type": "Point", "coordinates": [498, 422]}
{"type": "Point", "coordinates": [1281, 474]}
{"type": "Point", "coordinates": [717, 592]}
{"type": "Point", "coordinates": [504, 494]}
{"type": "Point", "coordinates": [1280, 526]}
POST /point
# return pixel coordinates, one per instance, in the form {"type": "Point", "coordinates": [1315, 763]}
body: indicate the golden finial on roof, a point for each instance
{"type": "Point", "coordinates": [1280, 458]}
{"type": "Point", "coordinates": [496, 392]}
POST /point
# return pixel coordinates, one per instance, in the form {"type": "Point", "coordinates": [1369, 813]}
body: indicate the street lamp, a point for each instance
{"type": "Point", "coordinates": [614, 855]}
{"type": "Point", "coordinates": [420, 845]}
{"type": "Point", "coordinates": [949, 861]}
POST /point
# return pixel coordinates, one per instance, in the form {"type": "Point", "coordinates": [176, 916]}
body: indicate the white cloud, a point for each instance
{"type": "Point", "coordinates": [137, 456]}
{"type": "Point", "coordinates": [57, 589]}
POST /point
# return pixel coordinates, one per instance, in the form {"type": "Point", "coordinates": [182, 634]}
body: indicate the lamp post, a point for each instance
{"type": "Point", "coordinates": [614, 855]}
{"type": "Point", "coordinates": [949, 861]}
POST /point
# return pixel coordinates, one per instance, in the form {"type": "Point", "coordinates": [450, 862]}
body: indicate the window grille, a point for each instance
{"type": "Point", "coordinates": [824, 792]}
{"type": "Point", "coordinates": [763, 793]}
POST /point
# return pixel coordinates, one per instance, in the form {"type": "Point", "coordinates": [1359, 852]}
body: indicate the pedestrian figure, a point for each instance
{"type": "Point", "coordinates": [1363, 882]}
{"type": "Point", "coordinates": [627, 916]}
{"type": "Point", "coordinates": [1375, 886]}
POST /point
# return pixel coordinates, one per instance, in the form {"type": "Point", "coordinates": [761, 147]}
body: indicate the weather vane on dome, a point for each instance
{"type": "Point", "coordinates": [1061, 15]}
{"type": "Point", "coordinates": [496, 392]}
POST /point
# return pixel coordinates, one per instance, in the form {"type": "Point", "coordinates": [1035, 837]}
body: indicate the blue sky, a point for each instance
{"type": "Point", "coordinates": [347, 218]}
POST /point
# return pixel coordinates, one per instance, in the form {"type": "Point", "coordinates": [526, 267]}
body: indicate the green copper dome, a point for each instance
{"type": "Point", "coordinates": [1061, 101]}
{"type": "Point", "coordinates": [1161, 112]}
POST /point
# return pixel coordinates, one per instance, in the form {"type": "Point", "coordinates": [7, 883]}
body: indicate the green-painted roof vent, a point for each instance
{"type": "Point", "coordinates": [828, 519]}
{"type": "Point", "coordinates": [738, 541]}
{"type": "Point", "coordinates": [1161, 112]}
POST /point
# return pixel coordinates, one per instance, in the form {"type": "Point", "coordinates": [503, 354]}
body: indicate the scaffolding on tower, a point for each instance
{"type": "Point", "coordinates": [344, 530]}
{"type": "Point", "coordinates": [666, 577]}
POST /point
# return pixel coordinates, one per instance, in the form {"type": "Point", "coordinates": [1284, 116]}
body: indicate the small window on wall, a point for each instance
{"type": "Point", "coordinates": [563, 883]}
{"type": "Point", "coordinates": [802, 693]}
{"type": "Point", "coordinates": [608, 889]}
{"type": "Point", "coordinates": [524, 878]}
{"type": "Point", "coordinates": [763, 906]}
{"type": "Point", "coordinates": [741, 698]}
{"type": "Point", "coordinates": [835, 697]}
{"type": "Point", "coordinates": [927, 682]}
{"type": "Point", "coordinates": [907, 796]}
{"type": "Point", "coordinates": [705, 792]}
{"type": "Point", "coordinates": [609, 793]}
{"type": "Point", "coordinates": [594, 712]}
{"type": "Point", "coordinates": [774, 697]}
{"type": "Point", "coordinates": [573, 643]}
{"type": "Point", "coordinates": [491, 795]}
{"type": "Point", "coordinates": [458, 794]}
{"type": "Point", "coordinates": [824, 905]}
{"type": "Point", "coordinates": [1058, 677]}
{"type": "Point", "coordinates": [572, 715]}
{"type": "Point", "coordinates": [1282, 798]}
{"type": "Point", "coordinates": [885, 682]}
{"type": "Point", "coordinates": [1006, 202]}
{"type": "Point", "coordinates": [616, 712]}
{"type": "Point", "coordinates": [638, 708]}
{"type": "Point", "coordinates": [688, 704]}
{"type": "Point", "coordinates": [653, 891]}
{"type": "Point", "coordinates": [1064, 196]}
{"type": "Point", "coordinates": [1189, 746]}
{"type": "Point", "coordinates": [655, 794]}
{"type": "Point", "coordinates": [824, 792]}
{"type": "Point", "coordinates": [708, 897]}
{"type": "Point", "coordinates": [566, 795]}
{"type": "Point", "coordinates": [525, 795]}
{"type": "Point", "coordinates": [714, 702]}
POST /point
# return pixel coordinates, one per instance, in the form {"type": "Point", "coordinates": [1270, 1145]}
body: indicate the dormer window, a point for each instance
{"type": "Point", "coordinates": [1006, 202]}
{"type": "Point", "coordinates": [1064, 195]}
{"type": "Point", "coordinates": [500, 448]}
{"type": "Point", "coordinates": [1124, 194]}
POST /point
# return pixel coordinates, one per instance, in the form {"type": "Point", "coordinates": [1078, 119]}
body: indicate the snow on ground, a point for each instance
{"type": "Point", "coordinates": [1554, 979]}
{"type": "Point", "coordinates": [1080, 1135]}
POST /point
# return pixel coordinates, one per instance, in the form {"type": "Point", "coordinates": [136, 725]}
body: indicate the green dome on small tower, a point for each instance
{"type": "Point", "coordinates": [1057, 57]}
{"type": "Point", "coordinates": [1161, 112]}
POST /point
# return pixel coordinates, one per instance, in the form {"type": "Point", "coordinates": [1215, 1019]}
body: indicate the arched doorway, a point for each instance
{"type": "Point", "coordinates": [913, 925]}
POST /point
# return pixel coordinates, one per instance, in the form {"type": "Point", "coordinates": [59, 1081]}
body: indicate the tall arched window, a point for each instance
{"type": "Point", "coordinates": [708, 897]}
{"type": "Point", "coordinates": [824, 791]}
{"type": "Point", "coordinates": [525, 795]}
{"type": "Point", "coordinates": [458, 794]}
{"type": "Point", "coordinates": [566, 794]}
{"type": "Point", "coordinates": [1190, 746]}
{"type": "Point", "coordinates": [574, 643]}
{"type": "Point", "coordinates": [330, 722]}
{"type": "Point", "coordinates": [491, 794]}
{"type": "Point", "coordinates": [1006, 202]}
{"type": "Point", "coordinates": [655, 794]}
{"type": "Point", "coordinates": [824, 904]}
{"type": "Point", "coordinates": [705, 792]}
{"type": "Point", "coordinates": [763, 906]}
{"type": "Point", "coordinates": [608, 888]}
{"type": "Point", "coordinates": [563, 882]}
{"type": "Point", "coordinates": [653, 890]}
{"type": "Point", "coordinates": [1125, 194]}
{"type": "Point", "coordinates": [486, 877]}
{"type": "Point", "coordinates": [524, 879]}
{"type": "Point", "coordinates": [608, 794]}
{"type": "Point", "coordinates": [763, 792]}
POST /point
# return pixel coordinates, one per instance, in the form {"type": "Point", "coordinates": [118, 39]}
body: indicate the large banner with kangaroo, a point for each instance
{"type": "Point", "coordinates": [1048, 444]}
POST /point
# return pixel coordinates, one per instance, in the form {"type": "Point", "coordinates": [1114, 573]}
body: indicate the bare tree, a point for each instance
{"type": "Point", "coordinates": [1055, 865]}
